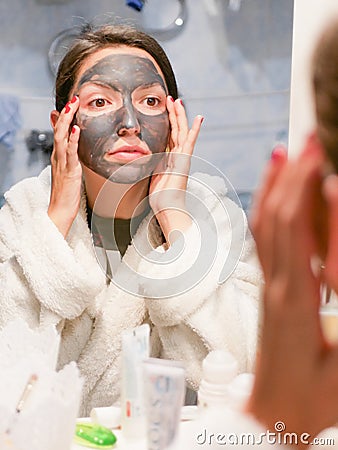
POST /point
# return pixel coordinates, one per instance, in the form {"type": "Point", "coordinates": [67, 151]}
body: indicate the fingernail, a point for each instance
{"type": "Point", "coordinates": [171, 98]}
{"type": "Point", "coordinates": [312, 146]}
{"type": "Point", "coordinates": [67, 108]}
{"type": "Point", "coordinates": [202, 118]}
{"type": "Point", "coordinates": [278, 153]}
{"type": "Point", "coordinates": [73, 100]}
{"type": "Point", "coordinates": [181, 102]}
{"type": "Point", "coordinates": [73, 129]}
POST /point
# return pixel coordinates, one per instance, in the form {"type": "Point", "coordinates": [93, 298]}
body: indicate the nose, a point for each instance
{"type": "Point", "coordinates": [129, 123]}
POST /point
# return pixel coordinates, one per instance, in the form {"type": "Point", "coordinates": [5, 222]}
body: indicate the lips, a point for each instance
{"type": "Point", "coordinates": [129, 149]}
{"type": "Point", "coordinates": [127, 153]}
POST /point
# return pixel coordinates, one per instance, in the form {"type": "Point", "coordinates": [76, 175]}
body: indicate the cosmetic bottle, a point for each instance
{"type": "Point", "coordinates": [239, 390]}
{"type": "Point", "coordinates": [135, 348]}
{"type": "Point", "coordinates": [219, 368]}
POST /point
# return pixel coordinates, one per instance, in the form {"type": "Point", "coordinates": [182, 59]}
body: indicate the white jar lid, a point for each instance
{"type": "Point", "coordinates": [219, 367]}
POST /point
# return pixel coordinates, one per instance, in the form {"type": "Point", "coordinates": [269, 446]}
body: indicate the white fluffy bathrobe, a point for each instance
{"type": "Point", "coordinates": [46, 279]}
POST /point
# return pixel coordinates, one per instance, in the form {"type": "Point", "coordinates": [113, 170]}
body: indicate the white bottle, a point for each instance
{"type": "Point", "coordinates": [219, 369]}
{"type": "Point", "coordinates": [239, 390]}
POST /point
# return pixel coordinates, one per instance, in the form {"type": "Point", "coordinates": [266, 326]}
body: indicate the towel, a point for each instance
{"type": "Point", "coordinates": [10, 119]}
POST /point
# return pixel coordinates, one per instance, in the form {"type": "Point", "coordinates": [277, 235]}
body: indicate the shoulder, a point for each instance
{"type": "Point", "coordinates": [213, 189]}
{"type": "Point", "coordinates": [204, 185]}
{"type": "Point", "coordinates": [31, 191]}
{"type": "Point", "coordinates": [215, 195]}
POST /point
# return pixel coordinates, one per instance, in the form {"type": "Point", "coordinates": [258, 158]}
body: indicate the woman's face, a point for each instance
{"type": "Point", "coordinates": [122, 113]}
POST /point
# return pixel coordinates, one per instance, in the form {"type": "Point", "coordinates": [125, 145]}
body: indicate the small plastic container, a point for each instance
{"type": "Point", "coordinates": [219, 369]}
{"type": "Point", "coordinates": [94, 436]}
{"type": "Point", "coordinates": [239, 390]}
{"type": "Point", "coordinates": [108, 416]}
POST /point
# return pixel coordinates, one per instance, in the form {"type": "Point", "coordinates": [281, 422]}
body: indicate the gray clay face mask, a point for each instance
{"type": "Point", "coordinates": [118, 94]}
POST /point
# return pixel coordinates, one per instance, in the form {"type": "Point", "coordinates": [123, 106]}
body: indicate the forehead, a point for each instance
{"type": "Point", "coordinates": [122, 57]}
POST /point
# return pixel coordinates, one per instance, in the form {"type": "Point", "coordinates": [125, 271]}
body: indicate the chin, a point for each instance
{"type": "Point", "coordinates": [130, 173]}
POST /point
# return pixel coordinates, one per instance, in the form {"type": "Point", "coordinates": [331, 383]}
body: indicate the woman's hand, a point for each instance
{"type": "Point", "coordinates": [297, 369]}
{"type": "Point", "coordinates": [168, 186]}
{"type": "Point", "coordinates": [330, 191]}
{"type": "Point", "coordinates": [66, 170]}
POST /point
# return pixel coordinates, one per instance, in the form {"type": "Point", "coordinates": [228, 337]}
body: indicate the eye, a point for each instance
{"type": "Point", "coordinates": [151, 101]}
{"type": "Point", "coordinates": [98, 102]}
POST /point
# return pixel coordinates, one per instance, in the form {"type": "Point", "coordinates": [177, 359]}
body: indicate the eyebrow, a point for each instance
{"type": "Point", "coordinates": [106, 85]}
{"type": "Point", "coordinates": [98, 83]}
{"type": "Point", "coordinates": [149, 85]}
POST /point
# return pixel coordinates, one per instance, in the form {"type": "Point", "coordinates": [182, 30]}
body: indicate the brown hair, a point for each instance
{"type": "Point", "coordinates": [91, 40]}
{"type": "Point", "coordinates": [325, 87]}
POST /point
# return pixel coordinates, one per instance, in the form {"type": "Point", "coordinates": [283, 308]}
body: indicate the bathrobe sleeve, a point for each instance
{"type": "Point", "coordinates": [203, 293]}
{"type": "Point", "coordinates": [43, 277]}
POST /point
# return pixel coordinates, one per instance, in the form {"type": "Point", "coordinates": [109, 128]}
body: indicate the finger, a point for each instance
{"type": "Point", "coordinates": [330, 192]}
{"type": "Point", "coordinates": [72, 149]}
{"type": "Point", "coordinates": [315, 151]}
{"type": "Point", "coordinates": [273, 168]}
{"type": "Point", "coordinates": [298, 210]}
{"type": "Point", "coordinates": [193, 133]}
{"type": "Point", "coordinates": [291, 284]}
{"type": "Point", "coordinates": [294, 202]}
{"type": "Point", "coordinates": [270, 230]}
{"type": "Point", "coordinates": [179, 161]}
{"type": "Point", "coordinates": [173, 121]}
{"type": "Point", "coordinates": [307, 198]}
{"type": "Point", "coordinates": [279, 219]}
{"type": "Point", "coordinates": [283, 222]}
{"type": "Point", "coordinates": [66, 117]}
{"type": "Point", "coordinates": [262, 218]}
{"type": "Point", "coordinates": [61, 132]}
{"type": "Point", "coordinates": [313, 147]}
{"type": "Point", "coordinates": [182, 121]}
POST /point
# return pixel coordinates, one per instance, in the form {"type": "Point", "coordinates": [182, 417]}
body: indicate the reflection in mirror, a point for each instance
{"type": "Point", "coordinates": [239, 81]}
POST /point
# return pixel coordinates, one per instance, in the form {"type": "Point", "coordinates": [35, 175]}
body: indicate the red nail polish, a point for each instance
{"type": "Point", "coordinates": [202, 118]}
{"type": "Point", "coordinates": [181, 102]}
{"type": "Point", "coordinates": [278, 153]}
{"type": "Point", "coordinates": [312, 146]}
{"type": "Point", "coordinates": [73, 130]}
{"type": "Point", "coordinates": [171, 98]}
{"type": "Point", "coordinates": [67, 108]}
{"type": "Point", "coordinates": [73, 100]}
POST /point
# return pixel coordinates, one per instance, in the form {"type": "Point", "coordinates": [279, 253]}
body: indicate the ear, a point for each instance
{"type": "Point", "coordinates": [54, 117]}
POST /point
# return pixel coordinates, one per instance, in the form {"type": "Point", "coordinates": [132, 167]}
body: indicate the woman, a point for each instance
{"type": "Point", "coordinates": [120, 161]}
